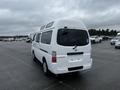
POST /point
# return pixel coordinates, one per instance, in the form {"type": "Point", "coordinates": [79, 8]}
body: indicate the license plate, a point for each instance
{"type": "Point", "coordinates": [75, 60]}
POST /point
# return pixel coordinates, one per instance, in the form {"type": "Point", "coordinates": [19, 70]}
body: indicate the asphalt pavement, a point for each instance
{"type": "Point", "coordinates": [19, 72]}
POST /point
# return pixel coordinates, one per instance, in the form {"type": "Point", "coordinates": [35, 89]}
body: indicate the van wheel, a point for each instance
{"type": "Point", "coordinates": [34, 57]}
{"type": "Point", "coordinates": [45, 68]}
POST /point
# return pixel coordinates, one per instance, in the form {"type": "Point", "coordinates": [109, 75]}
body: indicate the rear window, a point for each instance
{"type": "Point", "coordinates": [72, 37]}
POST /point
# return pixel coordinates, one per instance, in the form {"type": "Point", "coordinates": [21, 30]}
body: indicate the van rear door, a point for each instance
{"type": "Point", "coordinates": [73, 47]}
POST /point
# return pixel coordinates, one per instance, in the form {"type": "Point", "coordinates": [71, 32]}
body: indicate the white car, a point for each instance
{"type": "Point", "coordinates": [63, 46]}
{"type": "Point", "coordinates": [101, 38]}
{"type": "Point", "coordinates": [95, 39]}
{"type": "Point", "coordinates": [117, 44]}
{"type": "Point", "coordinates": [118, 34]}
{"type": "Point", "coordinates": [114, 40]}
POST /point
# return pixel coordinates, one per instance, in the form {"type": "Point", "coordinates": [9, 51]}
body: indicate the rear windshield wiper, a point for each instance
{"type": "Point", "coordinates": [75, 47]}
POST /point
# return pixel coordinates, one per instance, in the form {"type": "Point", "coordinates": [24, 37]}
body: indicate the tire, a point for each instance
{"type": "Point", "coordinates": [45, 68]}
{"type": "Point", "coordinates": [112, 43]}
{"type": "Point", "coordinates": [34, 57]}
{"type": "Point", "coordinates": [94, 41]}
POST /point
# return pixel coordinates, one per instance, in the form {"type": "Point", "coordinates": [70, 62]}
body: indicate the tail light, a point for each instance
{"type": "Point", "coordinates": [54, 59]}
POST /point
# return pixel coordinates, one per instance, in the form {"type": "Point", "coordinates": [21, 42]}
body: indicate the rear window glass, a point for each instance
{"type": "Point", "coordinates": [72, 37]}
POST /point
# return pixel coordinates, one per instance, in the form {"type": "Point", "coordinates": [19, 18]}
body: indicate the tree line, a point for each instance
{"type": "Point", "coordinates": [102, 32]}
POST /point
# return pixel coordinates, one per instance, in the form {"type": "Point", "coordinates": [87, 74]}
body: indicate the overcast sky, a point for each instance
{"type": "Point", "coordinates": [24, 16]}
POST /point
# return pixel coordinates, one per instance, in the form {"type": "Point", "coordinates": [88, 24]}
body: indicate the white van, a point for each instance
{"type": "Point", "coordinates": [63, 46]}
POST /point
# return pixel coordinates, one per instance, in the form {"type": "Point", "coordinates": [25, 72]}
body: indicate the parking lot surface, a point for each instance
{"type": "Point", "coordinates": [19, 72]}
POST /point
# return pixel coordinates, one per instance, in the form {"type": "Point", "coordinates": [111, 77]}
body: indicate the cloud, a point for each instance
{"type": "Point", "coordinates": [24, 16]}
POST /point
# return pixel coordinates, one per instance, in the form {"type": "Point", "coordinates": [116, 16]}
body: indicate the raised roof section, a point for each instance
{"type": "Point", "coordinates": [47, 25]}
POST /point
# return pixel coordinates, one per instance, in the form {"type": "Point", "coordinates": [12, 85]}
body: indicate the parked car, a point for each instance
{"type": "Point", "coordinates": [118, 34]}
{"type": "Point", "coordinates": [117, 44]}
{"type": "Point", "coordinates": [101, 38]}
{"type": "Point", "coordinates": [114, 40]}
{"type": "Point", "coordinates": [95, 39]}
{"type": "Point", "coordinates": [62, 46]}
{"type": "Point", "coordinates": [28, 40]}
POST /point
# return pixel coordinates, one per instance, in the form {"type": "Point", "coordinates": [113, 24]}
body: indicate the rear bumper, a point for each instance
{"type": "Point", "coordinates": [117, 46]}
{"type": "Point", "coordinates": [62, 70]}
{"type": "Point", "coordinates": [112, 43]}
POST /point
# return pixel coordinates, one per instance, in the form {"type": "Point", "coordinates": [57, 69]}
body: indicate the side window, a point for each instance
{"type": "Point", "coordinates": [34, 37]}
{"type": "Point", "coordinates": [37, 38]}
{"type": "Point", "coordinates": [46, 37]}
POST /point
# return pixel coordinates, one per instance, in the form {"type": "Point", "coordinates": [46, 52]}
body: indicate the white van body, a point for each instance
{"type": "Point", "coordinates": [68, 48]}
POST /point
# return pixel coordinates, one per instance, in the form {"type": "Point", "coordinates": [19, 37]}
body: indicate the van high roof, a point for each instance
{"type": "Point", "coordinates": [73, 23]}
